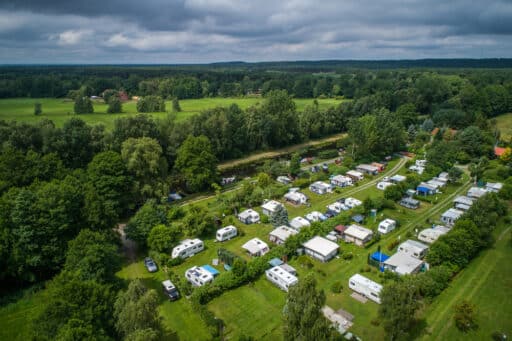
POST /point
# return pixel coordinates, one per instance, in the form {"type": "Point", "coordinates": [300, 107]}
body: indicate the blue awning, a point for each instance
{"type": "Point", "coordinates": [211, 270]}
{"type": "Point", "coordinates": [275, 262]}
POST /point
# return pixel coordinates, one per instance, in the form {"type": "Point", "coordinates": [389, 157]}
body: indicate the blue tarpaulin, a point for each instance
{"type": "Point", "coordinates": [275, 262]}
{"type": "Point", "coordinates": [211, 270]}
{"type": "Point", "coordinates": [379, 257]}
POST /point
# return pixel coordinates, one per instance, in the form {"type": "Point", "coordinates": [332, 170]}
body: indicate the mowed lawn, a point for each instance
{"type": "Point", "coordinates": [487, 283]}
{"type": "Point", "coordinates": [504, 124]}
{"type": "Point", "coordinates": [15, 317]}
{"type": "Point", "coordinates": [60, 110]}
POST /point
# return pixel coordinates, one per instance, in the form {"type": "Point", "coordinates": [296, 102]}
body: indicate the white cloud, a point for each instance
{"type": "Point", "coordinates": [73, 37]}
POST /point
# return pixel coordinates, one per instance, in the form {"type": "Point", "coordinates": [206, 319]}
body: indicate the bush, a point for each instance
{"type": "Point", "coordinates": [264, 219]}
{"type": "Point", "coordinates": [175, 261]}
{"type": "Point", "coordinates": [391, 246]}
{"type": "Point", "coordinates": [336, 287]}
{"type": "Point", "coordinates": [301, 183]}
{"type": "Point", "coordinates": [305, 262]}
{"type": "Point", "coordinates": [375, 322]}
{"type": "Point", "coordinates": [348, 256]}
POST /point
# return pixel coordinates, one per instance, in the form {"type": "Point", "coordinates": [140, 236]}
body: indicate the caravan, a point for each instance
{"type": "Point", "coordinates": [226, 233]}
{"type": "Point", "coordinates": [280, 277]}
{"type": "Point", "coordinates": [386, 226]}
{"type": "Point", "coordinates": [365, 287]}
{"type": "Point", "coordinates": [188, 248]}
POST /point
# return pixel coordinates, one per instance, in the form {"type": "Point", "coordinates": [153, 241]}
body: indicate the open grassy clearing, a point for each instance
{"type": "Point", "coordinates": [486, 282]}
{"type": "Point", "coordinates": [504, 124]}
{"type": "Point", "coordinates": [60, 110]}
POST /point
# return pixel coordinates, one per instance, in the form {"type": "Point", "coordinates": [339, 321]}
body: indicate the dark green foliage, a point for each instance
{"type": "Point", "coordinates": [465, 316]}
{"type": "Point", "coordinates": [150, 104]}
{"type": "Point", "coordinates": [114, 105]}
{"type": "Point", "coordinates": [176, 105]}
{"type": "Point", "coordinates": [83, 105]}
{"type": "Point", "coordinates": [399, 302]}
{"type": "Point", "coordinates": [147, 217]}
{"type": "Point", "coordinates": [38, 109]}
{"type": "Point", "coordinates": [198, 222]}
{"type": "Point", "coordinates": [161, 238]}
{"type": "Point", "coordinates": [75, 308]}
{"type": "Point", "coordinates": [303, 319]}
{"type": "Point", "coordinates": [295, 164]}
{"type": "Point", "coordinates": [136, 312]}
{"type": "Point", "coordinates": [336, 287]}
{"type": "Point", "coordinates": [93, 256]}
{"type": "Point", "coordinates": [196, 163]}
{"type": "Point", "coordinates": [279, 217]}
{"type": "Point", "coordinates": [394, 193]}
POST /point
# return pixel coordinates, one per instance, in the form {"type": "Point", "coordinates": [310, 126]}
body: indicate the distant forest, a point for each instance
{"type": "Point", "coordinates": [301, 79]}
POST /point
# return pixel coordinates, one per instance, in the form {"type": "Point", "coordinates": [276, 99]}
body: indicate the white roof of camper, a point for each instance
{"type": "Point", "coordinates": [358, 231]}
{"type": "Point", "coordinates": [320, 184]}
{"type": "Point", "coordinates": [255, 245]}
{"type": "Point", "coordinates": [341, 178]}
{"type": "Point", "coordinates": [398, 178]}
{"type": "Point", "coordinates": [462, 199]}
{"type": "Point", "coordinates": [248, 213]}
{"type": "Point", "coordinates": [321, 245]}
{"type": "Point", "coordinates": [283, 275]}
{"type": "Point", "coordinates": [476, 192]}
{"type": "Point", "coordinates": [283, 232]}
{"type": "Point", "coordinates": [412, 244]}
{"type": "Point", "coordinates": [374, 286]}
{"type": "Point", "coordinates": [434, 232]}
{"type": "Point", "coordinates": [355, 173]}
{"type": "Point", "coordinates": [295, 196]}
{"type": "Point", "coordinates": [453, 213]}
{"type": "Point", "coordinates": [497, 186]}
{"type": "Point", "coordinates": [226, 229]}
{"type": "Point", "coordinates": [299, 222]}
{"type": "Point", "coordinates": [369, 168]}
{"type": "Point", "coordinates": [271, 205]}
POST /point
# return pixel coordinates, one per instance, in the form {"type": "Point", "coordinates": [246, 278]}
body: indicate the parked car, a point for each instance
{"type": "Point", "coordinates": [170, 290]}
{"type": "Point", "coordinates": [150, 264]}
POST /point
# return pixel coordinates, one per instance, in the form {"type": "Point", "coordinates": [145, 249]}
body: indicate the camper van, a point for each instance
{"type": "Point", "coordinates": [365, 287]}
{"type": "Point", "coordinates": [187, 248]}
{"type": "Point", "coordinates": [226, 233]}
{"type": "Point", "coordinates": [386, 226]}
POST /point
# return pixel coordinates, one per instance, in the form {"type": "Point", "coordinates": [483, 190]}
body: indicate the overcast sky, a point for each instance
{"type": "Point", "coordinates": [198, 31]}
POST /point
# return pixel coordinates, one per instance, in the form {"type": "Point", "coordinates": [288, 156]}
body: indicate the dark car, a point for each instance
{"type": "Point", "coordinates": [150, 265]}
{"type": "Point", "coordinates": [341, 200]}
{"type": "Point", "coordinates": [170, 290]}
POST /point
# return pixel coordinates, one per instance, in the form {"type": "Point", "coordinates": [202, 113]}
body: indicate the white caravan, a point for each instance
{"type": "Point", "coordinates": [188, 248]}
{"type": "Point", "coordinates": [226, 233]}
{"type": "Point", "coordinates": [365, 287]}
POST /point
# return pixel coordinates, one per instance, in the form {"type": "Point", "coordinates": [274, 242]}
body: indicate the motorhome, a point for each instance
{"type": "Point", "coordinates": [226, 233]}
{"type": "Point", "coordinates": [281, 278]}
{"type": "Point", "coordinates": [365, 287]}
{"type": "Point", "coordinates": [187, 248]}
{"type": "Point", "coordinates": [198, 276]}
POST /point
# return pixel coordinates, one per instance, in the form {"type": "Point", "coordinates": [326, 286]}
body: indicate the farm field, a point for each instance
{"type": "Point", "coordinates": [504, 124]}
{"type": "Point", "coordinates": [486, 282]}
{"type": "Point", "coordinates": [60, 110]}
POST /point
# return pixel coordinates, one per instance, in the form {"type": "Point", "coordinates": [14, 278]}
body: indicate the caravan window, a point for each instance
{"type": "Point", "coordinates": [374, 295]}
{"type": "Point", "coordinates": [352, 283]}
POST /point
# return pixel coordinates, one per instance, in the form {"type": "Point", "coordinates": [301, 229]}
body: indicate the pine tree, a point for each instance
{"type": "Point", "coordinates": [279, 217]}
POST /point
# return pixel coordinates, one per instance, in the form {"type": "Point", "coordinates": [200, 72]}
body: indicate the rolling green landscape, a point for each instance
{"type": "Point", "coordinates": [60, 110]}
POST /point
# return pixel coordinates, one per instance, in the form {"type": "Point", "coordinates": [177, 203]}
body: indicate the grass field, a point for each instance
{"type": "Point", "coordinates": [487, 283]}
{"type": "Point", "coordinates": [60, 110]}
{"type": "Point", "coordinates": [504, 124]}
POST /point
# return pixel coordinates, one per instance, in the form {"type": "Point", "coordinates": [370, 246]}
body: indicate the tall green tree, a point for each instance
{"type": "Point", "coordinates": [145, 162]}
{"type": "Point", "coordinates": [93, 256]}
{"type": "Point", "coordinates": [83, 105]}
{"type": "Point", "coordinates": [295, 164]}
{"type": "Point", "coordinates": [303, 319]}
{"type": "Point", "coordinates": [136, 312]}
{"type": "Point", "coordinates": [196, 163]}
{"type": "Point", "coordinates": [279, 217]}
{"type": "Point", "coordinates": [114, 105]}
{"type": "Point", "coordinates": [161, 238]}
{"type": "Point", "coordinates": [148, 216]}
{"type": "Point", "coordinates": [399, 302]}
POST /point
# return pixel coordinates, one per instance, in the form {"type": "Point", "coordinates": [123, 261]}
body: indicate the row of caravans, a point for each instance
{"type": "Point", "coordinates": [189, 247]}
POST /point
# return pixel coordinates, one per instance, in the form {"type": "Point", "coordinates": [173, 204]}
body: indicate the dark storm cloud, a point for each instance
{"type": "Point", "coordinates": [212, 30]}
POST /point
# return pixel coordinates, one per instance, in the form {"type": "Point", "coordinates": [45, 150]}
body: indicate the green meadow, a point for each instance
{"type": "Point", "coordinates": [60, 110]}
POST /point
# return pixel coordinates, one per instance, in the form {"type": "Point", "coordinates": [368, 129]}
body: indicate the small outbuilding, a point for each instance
{"type": "Point", "coordinates": [270, 207]}
{"type": "Point", "coordinates": [358, 235]}
{"type": "Point", "coordinates": [368, 169]}
{"type": "Point", "coordinates": [296, 198]}
{"type": "Point", "coordinates": [410, 203]}
{"type": "Point", "coordinates": [320, 187]}
{"type": "Point", "coordinates": [284, 180]}
{"type": "Point", "coordinates": [341, 181]}
{"type": "Point", "coordinates": [321, 248]}
{"type": "Point", "coordinates": [426, 189]}
{"type": "Point", "coordinates": [355, 175]}
{"type": "Point", "coordinates": [463, 202]}
{"type": "Point", "coordinates": [493, 187]}
{"type": "Point", "coordinates": [249, 216]}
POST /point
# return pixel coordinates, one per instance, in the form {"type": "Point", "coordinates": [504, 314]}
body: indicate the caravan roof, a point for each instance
{"type": "Point", "coordinates": [283, 232]}
{"type": "Point", "coordinates": [403, 263]}
{"type": "Point", "coordinates": [358, 232]}
{"type": "Point", "coordinates": [374, 286]}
